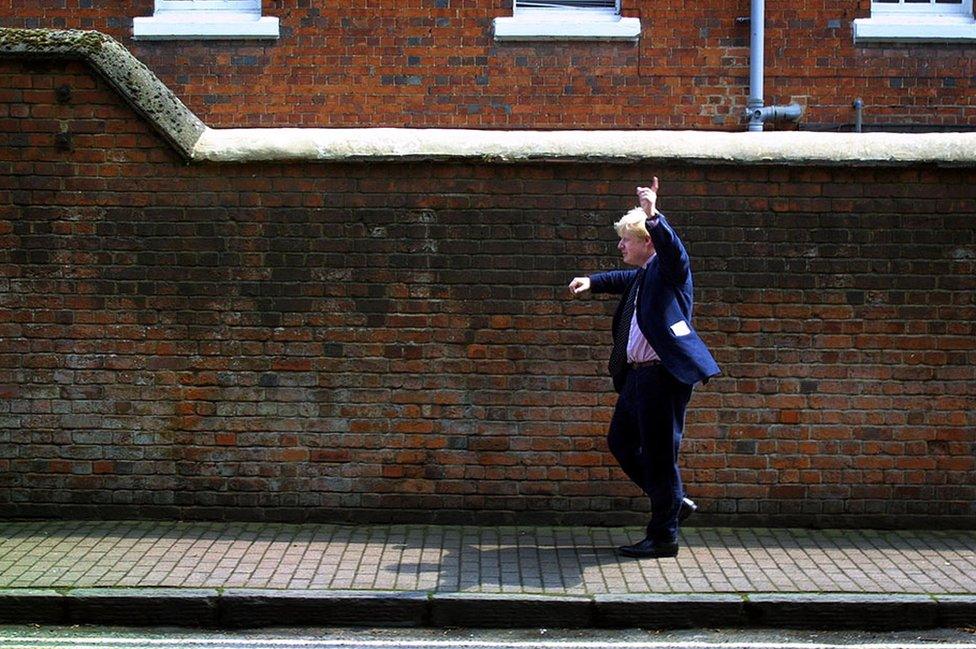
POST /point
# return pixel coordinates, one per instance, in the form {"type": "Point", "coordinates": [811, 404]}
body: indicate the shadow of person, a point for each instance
{"type": "Point", "coordinates": [503, 559]}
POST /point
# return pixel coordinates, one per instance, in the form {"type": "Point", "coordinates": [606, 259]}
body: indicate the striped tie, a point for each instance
{"type": "Point", "coordinates": [618, 355]}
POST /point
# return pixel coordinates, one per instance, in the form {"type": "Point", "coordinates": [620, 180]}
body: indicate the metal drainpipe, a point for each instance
{"type": "Point", "coordinates": [755, 111]}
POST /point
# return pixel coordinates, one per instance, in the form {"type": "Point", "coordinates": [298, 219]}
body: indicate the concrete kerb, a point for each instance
{"type": "Point", "coordinates": [500, 610]}
{"type": "Point", "coordinates": [33, 606]}
{"type": "Point", "coordinates": [141, 607]}
{"type": "Point", "coordinates": [956, 611]}
{"type": "Point", "coordinates": [249, 608]}
{"type": "Point", "coordinates": [876, 612]}
{"type": "Point", "coordinates": [671, 611]}
{"type": "Point", "coordinates": [254, 608]}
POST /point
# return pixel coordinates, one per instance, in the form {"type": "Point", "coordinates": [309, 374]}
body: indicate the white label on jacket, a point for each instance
{"type": "Point", "coordinates": [680, 328]}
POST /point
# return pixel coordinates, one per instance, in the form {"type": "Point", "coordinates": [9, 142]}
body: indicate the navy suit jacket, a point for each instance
{"type": "Point", "coordinates": [664, 306]}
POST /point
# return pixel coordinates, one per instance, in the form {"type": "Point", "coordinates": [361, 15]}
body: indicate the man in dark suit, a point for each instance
{"type": "Point", "coordinates": [657, 358]}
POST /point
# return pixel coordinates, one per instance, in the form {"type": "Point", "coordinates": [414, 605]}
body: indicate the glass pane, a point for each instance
{"type": "Point", "coordinates": [924, 7]}
{"type": "Point", "coordinates": [208, 5]}
{"type": "Point", "coordinates": [567, 4]}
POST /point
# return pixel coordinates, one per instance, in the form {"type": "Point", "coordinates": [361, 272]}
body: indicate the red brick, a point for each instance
{"type": "Point", "coordinates": [230, 324]}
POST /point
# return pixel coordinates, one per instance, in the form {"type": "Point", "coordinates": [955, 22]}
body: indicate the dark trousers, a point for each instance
{"type": "Point", "coordinates": [645, 434]}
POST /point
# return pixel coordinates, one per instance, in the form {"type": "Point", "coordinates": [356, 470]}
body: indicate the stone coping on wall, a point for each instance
{"type": "Point", "coordinates": [137, 84]}
{"type": "Point", "coordinates": [708, 147]}
{"type": "Point", "coordinates": [196, 142]}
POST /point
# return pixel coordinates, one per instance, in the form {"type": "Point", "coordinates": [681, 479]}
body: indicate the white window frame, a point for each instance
{"type": "Point", "coordinates": [564, 22]}
{"type": "Point", "coordinates": [963, 8]}
{"type": "Point", "coordinates": [917, 22]}
{"type": "Point", "coordinates": [205, 20]}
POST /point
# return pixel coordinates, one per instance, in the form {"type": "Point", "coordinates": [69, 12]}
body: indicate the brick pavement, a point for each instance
{"type": "Point", "coordinates": [462, 559]}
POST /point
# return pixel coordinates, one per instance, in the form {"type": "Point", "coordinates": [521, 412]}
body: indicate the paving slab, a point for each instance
{"type": "Point", "coordinates": [259, 574]}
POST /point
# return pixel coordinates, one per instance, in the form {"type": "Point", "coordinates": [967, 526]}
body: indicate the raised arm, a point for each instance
{"type": "Point", "coordinates": [672, 256]}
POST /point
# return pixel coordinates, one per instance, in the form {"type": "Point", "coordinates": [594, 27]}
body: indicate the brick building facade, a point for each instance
{"type": "Point", "coordinates": [382, 339]}
{"type": "Point", "coordinates": [436, 63]}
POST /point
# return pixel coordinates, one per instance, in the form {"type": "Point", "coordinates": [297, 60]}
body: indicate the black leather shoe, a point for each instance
{"type": "Point", "coordinates": [648, 549]}
{"type": "Point", "coordinates": [688, 507]}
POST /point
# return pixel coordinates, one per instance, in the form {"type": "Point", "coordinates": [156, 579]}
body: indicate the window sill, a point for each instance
{"type": "Point", "coordinates": [918, 29]}
{"type": "Point", "coordinates": [200, 25]}
{"type": "Point", "coordinates": [567, 28]}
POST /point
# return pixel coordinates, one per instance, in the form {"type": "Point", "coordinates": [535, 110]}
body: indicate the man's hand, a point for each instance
{"type": "Point", "coordinates": [579, 284]}
{"type": "Point", "coordinates": [648, 198]}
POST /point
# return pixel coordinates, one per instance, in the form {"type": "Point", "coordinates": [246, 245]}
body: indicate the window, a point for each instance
{"type": "Point", "coordinates": [534, 20]}
{"type": "Point", "coordinates": [205, 19]}
{"type": "Point", "coordinates": [608, 6]}
{"type": "Point", "coordinates": [917, 20]}
{"type": "Point", "coordinates": [923, 7]}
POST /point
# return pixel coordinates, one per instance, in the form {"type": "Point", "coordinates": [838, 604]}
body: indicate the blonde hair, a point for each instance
{"type": "Point", "coordinates": [633, 222]}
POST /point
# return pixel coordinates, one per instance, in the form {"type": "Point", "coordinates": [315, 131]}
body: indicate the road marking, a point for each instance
{"type": "Point", "coordinates": [97, 642]}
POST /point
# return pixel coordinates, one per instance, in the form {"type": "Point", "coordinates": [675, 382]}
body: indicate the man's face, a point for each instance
{"type": "Point", "coordinates": [636, 250]}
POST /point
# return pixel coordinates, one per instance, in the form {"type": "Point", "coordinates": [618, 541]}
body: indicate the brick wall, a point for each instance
{"type": "Point", "coordinates": [376, 341]}
{"type": "Point", "coordinates": [435, 63]}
